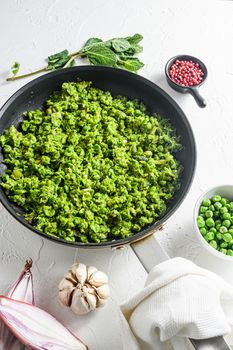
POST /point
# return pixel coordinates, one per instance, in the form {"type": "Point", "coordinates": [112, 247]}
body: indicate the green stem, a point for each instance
{"type": "Point", "coordinates": [77, 53]}
{"type": "Point", "coordinates": [72, 57]}
{"type": "Point", "coordinates": [27, 75]}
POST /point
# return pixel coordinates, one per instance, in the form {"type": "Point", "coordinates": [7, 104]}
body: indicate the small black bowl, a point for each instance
{"type": "Point", "coordinates": [193, 90]}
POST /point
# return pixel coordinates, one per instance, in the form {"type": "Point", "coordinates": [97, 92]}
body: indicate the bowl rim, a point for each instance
{"type": "Point", "coordinates": [198, 233]}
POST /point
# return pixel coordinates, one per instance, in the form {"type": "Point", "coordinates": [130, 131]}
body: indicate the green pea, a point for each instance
{"type": "Point", "coordinates": [222, 250]}
{"type": "Point", "coordinates": [230, 252]}
{"type": "Point", "coordinates": [218, 226]}
{"type": "Point", "coordinates": [227, 237]}
{"type": "Point", "coordinates": [218, 205]}
{"type": "Point", "coordinates": [223, 229]}
{"type": "Point", "coordinates": [216, 198]}
{"type": "Point", "coordinates": [206, 202]}
{"type": "Point", "coordinates": [216, 214]}
{"type": "Point", "coordinates": [213, 229]}
{"type": "Point", "coordinates": [211, 207]}
{"type": "Point", "coordinates": [200, 223]}
{"type": "Point", "coordinates": [200, 218]}
{"type": "Point", "coordinates": [203, 209]}
{"type": "Point", "coordinates": [227, 206]}
{"type": "Point", "coordinates": [209, 214]}
{"type": "Point", "coordinates": [223, 201]}
{"type": "Point", "coordinates": [226, 223]}
{"type": "Point", "coordinates": [219, 236]}
{"type": "Point", "coordinates": [231, 241]}
{"type": "Point", "coordinates": [231, 206]}
{"type": "Point", "coordinates": [203, 230]}
{"type": "Point", "coordinates": [217, 222]}
{"type": "Point", "coordinates": [231, 231]}
{"type": "Point", "coordinates": [210, 222]}
{"type": "Point", "coordinates": [226, 216]}
{"type": "Point", "coordinates": [213, 244]}
{"type": "Point", "coordinates": [209, 236]}
{"type": "Point", "coordinates": [223, 245]}
{"type": "Point", "coordinates": [223, 210]}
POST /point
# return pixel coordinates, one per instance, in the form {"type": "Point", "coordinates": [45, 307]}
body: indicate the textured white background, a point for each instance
{"type": "Point", "coordinates": [29, 31]}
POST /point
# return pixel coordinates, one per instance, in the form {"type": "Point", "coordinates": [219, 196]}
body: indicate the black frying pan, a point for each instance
{"type": "Point", "coordinates": [118, 82]}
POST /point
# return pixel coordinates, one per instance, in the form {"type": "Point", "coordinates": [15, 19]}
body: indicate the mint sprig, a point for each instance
{"type": "Point", "coordinates": [116, 52]}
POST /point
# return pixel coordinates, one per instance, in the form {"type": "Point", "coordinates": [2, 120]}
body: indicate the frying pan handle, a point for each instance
{"type": "Point", "coordinates": [216, 343]}
{"type": "Point", "coordinates": [150, 253]}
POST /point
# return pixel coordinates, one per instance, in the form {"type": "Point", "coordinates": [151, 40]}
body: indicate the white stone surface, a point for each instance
{"type": "Point", "coordinates": [29, 31]}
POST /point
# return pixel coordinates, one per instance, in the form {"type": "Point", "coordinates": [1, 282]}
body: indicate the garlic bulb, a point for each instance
{"type": "Point", "coordinates": [83, 289]}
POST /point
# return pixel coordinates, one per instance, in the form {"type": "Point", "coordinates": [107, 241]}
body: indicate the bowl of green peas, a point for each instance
{"type": "Point", "coordinates": [213, 217]}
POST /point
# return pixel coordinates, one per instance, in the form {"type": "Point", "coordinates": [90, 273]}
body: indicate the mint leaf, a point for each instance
{"type": "Point", "coordinates": [92, 41]}
{"type": "Point", "coordinates": [120, 44]}
{"type": "Point", "coordinates": [101, 55]}
{"type": "Point", "coordinates": [58, 60]}
{"type": "Point", "coordinates": [15, 68]}
{"type": "Point", "coordinates": [133, 64]}
{"type": "Point", "coordinates": [135, 39]}
{"type": "Point", "coordinates": [135, 49]}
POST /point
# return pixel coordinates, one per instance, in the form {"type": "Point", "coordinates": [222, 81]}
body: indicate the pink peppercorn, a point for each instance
{"type": "Point", "coordinates": [186, 73]}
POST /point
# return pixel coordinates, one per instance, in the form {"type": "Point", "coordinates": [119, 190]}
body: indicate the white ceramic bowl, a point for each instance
{"type": "Point", "coordinates": [224, 191]}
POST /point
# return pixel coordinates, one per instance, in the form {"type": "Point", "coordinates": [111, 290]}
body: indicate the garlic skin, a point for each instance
{"type": "Point", "coordinates": [83, 289]}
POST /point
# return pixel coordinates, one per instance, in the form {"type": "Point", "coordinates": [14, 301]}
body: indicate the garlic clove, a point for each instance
{"type": "Point", "coordinates": [65, 284]}
{"type": "Point", "coordinates": [65, 296]}
{"type": "Point", "coordinates": [65, 291]}
{"type": "Point", "coordinates": [101, 302]}
{"type": "Point", "coordinates": [80, 271]}
{"type": "Point", "coordinates": [90, 271]}
{"type": "Point", "coordinates": [88, 289]}
{"type": "Point", "coordinates": [71, 277]}
{"type": "Point", "coordinates": [91, 300]}
{"type": "Point", "coordinates": [103, 291]}
{"type": "Point", "coordinates": [98, 278]}
{"type": "Point", "coordinates": [79, 305]}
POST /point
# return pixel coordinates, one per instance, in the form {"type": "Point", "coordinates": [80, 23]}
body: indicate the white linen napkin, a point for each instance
{"type": "Point", "coordinates": [180, 300]}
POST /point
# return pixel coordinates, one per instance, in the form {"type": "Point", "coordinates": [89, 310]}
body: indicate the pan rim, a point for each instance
{"type": "Point", "coordinates": [143, 233]}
